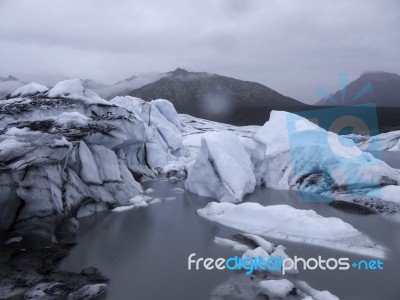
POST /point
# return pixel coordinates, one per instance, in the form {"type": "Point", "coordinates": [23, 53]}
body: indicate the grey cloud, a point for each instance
{"type": "Point", "coordinates": [291, 46]}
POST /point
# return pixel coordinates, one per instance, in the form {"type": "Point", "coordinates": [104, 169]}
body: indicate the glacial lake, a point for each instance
{"type": "Point", "coordinates": [145, 251]}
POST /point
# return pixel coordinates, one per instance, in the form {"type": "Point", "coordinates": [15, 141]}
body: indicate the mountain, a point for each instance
{"type": "Point", "coordinates": [8, 85]}
{"type": "Point", "coordinates": [188, 88]}
{"type": "Point", "coordinates": [216, 97]}
{"type": "Point", "coordinates": [380, 88]}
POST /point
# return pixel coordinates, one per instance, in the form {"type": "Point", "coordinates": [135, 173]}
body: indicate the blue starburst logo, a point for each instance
{"type": "Point", "coordinates": [344, 123]}
{"type": "Point", "coordinates": [343, 80]}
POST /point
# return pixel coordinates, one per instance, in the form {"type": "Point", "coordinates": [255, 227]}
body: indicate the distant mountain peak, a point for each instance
{"type": "Point", "coordinates": [379, 73]}
{"type": "Point", "coordinates": [179, 72]}
{"type": "Point", "coordinates": [379, 76]}
{"type": "Point", "coordinates": [214, 96]}
{"type": "Point", "coordinates": [379, 88]}
{"type": "Point", "coordinates": [9, 78]}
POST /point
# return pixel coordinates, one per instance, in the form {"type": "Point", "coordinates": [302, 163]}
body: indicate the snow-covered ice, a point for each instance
{"type": "Point", "coordinates": [255, 253]}
{"type": "Point", "coordinates": [16, 239]}
{"type": "Point", "coordinates": [30, 89]}
{"type": "Point", "coordinates": [89, 291]}
{"type": "Point", "coordinates": [149, 191]}
{"type": "Point", "coordinates": [285, 222]}
{"type": "Point", "coordinates": [67, 118]}
{"type": "Point", "coordinates": [278, 288]}
{"type": "Point", "coordinates": [74, 89]}
{"type": "Point", "coordinates": [315, 294]}
{"type": "Point", "coordinates": [136, 204]}
{"type": "Point", "coordinates": [266, 245]}
{"type": "Point", "coordinates": [155, 201]}
{"type": "Point", "coordinates": [230, 243]}
{"type": "Point", "coordinates": [387, 193]}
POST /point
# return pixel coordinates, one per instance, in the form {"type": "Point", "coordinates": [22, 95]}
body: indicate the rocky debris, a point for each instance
{"type": "Point", "coordinates": [31, 271]}
{"type": "Point", "coordinates": [352, 207]}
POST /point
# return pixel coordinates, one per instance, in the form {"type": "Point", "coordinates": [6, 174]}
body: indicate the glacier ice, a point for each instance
{"type": "Point", "coordinates": [276, 288]}
{"type": "Point", "coordinates": [167, 109]}
{"type": "Point", "coordinates": [286, 222]}
{"type": "Point", "coordinates": [30, 89]}
{"type": "Point", "coordinates": [67, 151]}
{"type": "Point", "coordinates": [222, 169]}
{"type": "Point", "coordinates": [300, 155]}
{"type": "Point", "coordinates": [74, 89]}
{"type": "Point", "coordinates": [389, 141]}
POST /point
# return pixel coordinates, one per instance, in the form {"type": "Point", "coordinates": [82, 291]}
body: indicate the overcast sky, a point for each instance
{"type": "Point", "coordinates": [291, 46]}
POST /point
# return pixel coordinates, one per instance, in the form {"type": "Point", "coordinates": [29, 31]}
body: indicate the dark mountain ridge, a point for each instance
{"type": "Point", "coordinates": [381, 89]}
{"type": "Point", "coordinates": [215, 97]}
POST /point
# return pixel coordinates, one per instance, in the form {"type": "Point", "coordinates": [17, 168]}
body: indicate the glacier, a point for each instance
{"type": "Point", "coordinates": [66, 153]}
{"type": "Point", "coordinates": [66, 148]}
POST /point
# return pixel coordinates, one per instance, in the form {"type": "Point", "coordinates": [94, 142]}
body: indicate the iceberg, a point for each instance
{"type": "Point", "coordinates": [302, 156]}
{"type": "Point", "coordinates": [313, 293]}
{"type": "Point", "coordinates": [278, 288]}
{"type": "Point", "coordinates": [237, 246]}
{"type": "Point", "coordinates": [286, 222]}
{"type": "Point", "coordinates": [222, 170]}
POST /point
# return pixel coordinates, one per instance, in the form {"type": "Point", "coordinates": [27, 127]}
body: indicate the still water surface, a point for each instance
{"type": "Point", "coordinates": [144, 251]}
